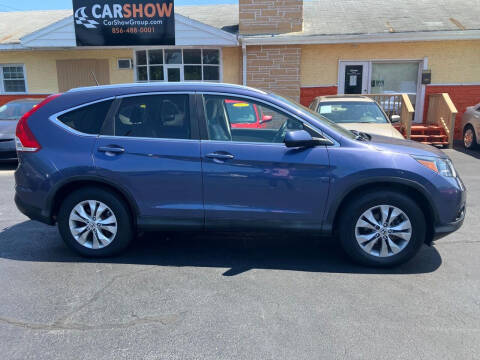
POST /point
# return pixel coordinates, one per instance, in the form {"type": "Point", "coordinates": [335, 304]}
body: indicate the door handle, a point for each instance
{"type": "Point", "coordinates": [220, 156]}
{"type": "Point", "coordinates": [111, 150]}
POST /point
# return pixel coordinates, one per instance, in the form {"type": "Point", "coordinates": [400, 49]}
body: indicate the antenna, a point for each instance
{"type": "Point", "coordinates": [94, 78]}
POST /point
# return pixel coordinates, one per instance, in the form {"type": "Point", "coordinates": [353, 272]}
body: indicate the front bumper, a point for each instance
{"type": "Point", "coordinates": [443, 230]}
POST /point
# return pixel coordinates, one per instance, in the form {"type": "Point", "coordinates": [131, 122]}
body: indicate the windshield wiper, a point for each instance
{"type": "Point", "coordinates": [361, 136]}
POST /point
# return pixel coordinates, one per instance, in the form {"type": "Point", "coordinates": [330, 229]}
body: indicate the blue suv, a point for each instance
{"type": "Point", "coordinates": [106, 162]}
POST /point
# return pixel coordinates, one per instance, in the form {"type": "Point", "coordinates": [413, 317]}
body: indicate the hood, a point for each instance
{"type": "Point", "coordinates": [403, 146]}
{"type": "Point", "coordinates": [7, 129]}
{"type": "Point", "coordinates": [377, 129]}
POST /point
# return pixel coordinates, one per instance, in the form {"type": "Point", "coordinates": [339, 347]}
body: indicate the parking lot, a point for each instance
{"type": "Point", "coordinates": [218, 296]}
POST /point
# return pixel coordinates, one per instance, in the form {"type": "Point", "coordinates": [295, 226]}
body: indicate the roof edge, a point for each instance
{"type": "Point", "coordinates": [47, 29]}
{"type": "Point", "coordinates": [228, 38]}
{"type": "Point", "coordinates": [299, 39]}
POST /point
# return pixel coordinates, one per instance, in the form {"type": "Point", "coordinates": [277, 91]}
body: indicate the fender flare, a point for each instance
{"type": "Point", "coordinates": [91, 178]}
{"type": "Point", "coordinates": [332, 211]}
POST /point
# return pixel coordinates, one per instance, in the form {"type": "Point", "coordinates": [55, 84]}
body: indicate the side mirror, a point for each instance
{"type": "Point", "coordinates": [395, 118]}
{"type": "Point", "coordinates": [266, 118]}
{"type": "Point", "coordinates": [302, 139]}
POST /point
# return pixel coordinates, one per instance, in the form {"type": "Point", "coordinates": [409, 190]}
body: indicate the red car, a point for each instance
{"type": "Point", "coordinates": [243, 115]}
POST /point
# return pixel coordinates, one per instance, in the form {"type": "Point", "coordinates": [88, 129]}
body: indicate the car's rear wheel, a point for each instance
{"type": "Point", "coordinates": [382, 229]}
{"type": "Point", "coordinates": [95, 223]}
{"type": "Point", "coordinates": [469, 138]}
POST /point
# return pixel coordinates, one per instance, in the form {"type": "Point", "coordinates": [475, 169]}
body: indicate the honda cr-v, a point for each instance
{"type": "Point", "coordinates": [104, 163]}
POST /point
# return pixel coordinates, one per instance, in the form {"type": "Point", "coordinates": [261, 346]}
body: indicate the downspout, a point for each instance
{"type": "Point", "coordinates": [244, 61]}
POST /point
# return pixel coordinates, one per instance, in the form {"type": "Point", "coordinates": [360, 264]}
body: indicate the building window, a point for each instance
{"type": "Point", "coordinates": [178, 65]}
{"type": "Point", "coordinates": [12, 78]}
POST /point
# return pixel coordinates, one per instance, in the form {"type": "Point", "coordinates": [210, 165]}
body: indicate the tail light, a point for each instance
{"type": "Point", "coordinates": [24, 138]}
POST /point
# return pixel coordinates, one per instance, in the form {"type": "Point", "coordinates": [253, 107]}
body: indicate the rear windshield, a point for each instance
{"type": "Point", "coordinates": [352, 112]}
{"type": "Point", "coordinates": [88, 119]}
{"type": "Point", "coordinates": [14, 111]}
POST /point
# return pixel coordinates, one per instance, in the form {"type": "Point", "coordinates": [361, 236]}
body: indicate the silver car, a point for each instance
{"type": "Point", "coordinates": [358, 113]}
{"type": "Point", "coordinates": [10, 113]}
{"type": "Point", "coordinates": [471, 127]}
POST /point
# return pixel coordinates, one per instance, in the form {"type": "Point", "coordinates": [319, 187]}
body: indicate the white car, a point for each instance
{"type": "Point", "coordinates": [471, 127]}
{"type": "Point", "coordinates": [358, 113]}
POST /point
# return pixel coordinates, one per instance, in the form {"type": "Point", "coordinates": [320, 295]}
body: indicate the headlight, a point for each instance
{"type": "Point", "coordinates": [443, 167]}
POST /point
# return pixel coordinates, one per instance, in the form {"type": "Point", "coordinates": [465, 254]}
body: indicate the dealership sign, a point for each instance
{"type": "Point", "coordinates": [124, 22]}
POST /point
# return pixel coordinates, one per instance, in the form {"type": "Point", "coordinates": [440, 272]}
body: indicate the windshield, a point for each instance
{"type": "Point", "coordinates": [14, 111]}
{"type": "Point", "coordinates": [352, 112]}
{"type": "Point", "coordinates": [240, 112]}
{"type": "Point", "coordinates": [322, 119]}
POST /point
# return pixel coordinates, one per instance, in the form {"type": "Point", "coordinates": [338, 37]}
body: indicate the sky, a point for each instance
{"type": "Point", "coordinates": [17, 5]}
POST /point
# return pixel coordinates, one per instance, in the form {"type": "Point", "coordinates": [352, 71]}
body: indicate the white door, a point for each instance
{"type": "Point", "coordinates": [174, 73]}
{"type": "Point", "coordinates": [353, 77]}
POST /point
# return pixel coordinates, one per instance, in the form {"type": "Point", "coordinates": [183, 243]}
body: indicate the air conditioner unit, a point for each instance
{"type": "Point", "coordinates": [125, 63]}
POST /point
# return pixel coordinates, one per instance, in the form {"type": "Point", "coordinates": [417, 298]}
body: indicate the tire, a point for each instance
{"type": "Point", "coordinates": [106, 205]}
{"type": "Point", "coordinates": [353, 225]}
{"type": "Point", "coordinates": [473, 145]}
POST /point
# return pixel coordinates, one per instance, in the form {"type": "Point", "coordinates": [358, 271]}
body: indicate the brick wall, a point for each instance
{"type": "Point", "coordinates": [461, 95]}
{"type": "Point", "coordinates": [307, 94]}
{"type": "Point", "coordinates": [270, 16]}
{"type": "Point", "coordinates": [6, 98]}
{"type": "Point", "coordinates": [275, 69]}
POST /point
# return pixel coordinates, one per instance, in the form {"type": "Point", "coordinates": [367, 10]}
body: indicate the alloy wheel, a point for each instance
{"type": "Point", "coordinates": [93, 224]}
{"type": "Point", "coordinates": [383, 231]}
{"type": "Point", "coordinates": [468, 138]}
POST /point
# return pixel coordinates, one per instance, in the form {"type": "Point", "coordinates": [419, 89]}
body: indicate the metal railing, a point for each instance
{"type": "Point", "coordinates": [442, 112]}
{"type": "Point", "coordinates": [397, 104]}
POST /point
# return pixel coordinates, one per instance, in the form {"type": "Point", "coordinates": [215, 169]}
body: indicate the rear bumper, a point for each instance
{"type": "Point", "coordinates": [32, 212]}
{"type": "Point", "coordinates": [8, 151]}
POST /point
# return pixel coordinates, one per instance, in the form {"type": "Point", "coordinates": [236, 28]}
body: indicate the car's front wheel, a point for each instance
{"type": "Point", "coordinates": [95, 222]}
{"type": "Point", "coordinates": [382, 228]}
{"type": "Point", "coordinates": [469, 138]}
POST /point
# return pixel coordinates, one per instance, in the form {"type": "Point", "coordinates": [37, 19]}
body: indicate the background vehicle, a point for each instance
{"type": "Point", "coordinates": [471, 127]}
{"type": "Point", "coordinates": [10, 113]}
{"type": "Point", "coordinates": [358, 113]}
{"type": "Point", "coordinates": [246, 115]}
{"type": "Point", "coordinates": [105, 162]}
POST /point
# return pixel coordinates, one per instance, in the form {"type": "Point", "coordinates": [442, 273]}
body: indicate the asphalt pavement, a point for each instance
{"type": "Point", "coordinates": [218, 296]}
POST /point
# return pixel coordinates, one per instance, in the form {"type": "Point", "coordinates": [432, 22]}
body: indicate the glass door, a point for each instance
{"type": "Point", "coordinates": [173, 73]}
{"type": "Point", "coordinates": [353, 77]}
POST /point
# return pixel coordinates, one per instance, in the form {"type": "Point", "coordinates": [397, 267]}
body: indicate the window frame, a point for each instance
{"type": "Point", "coordinates": [108, 129]}
{"type": "Point", "coordinates": [182, 65]}
{"type": "Point", "coordinates": [203, 119]}
{"type": "Point", "coordinates": [2, 85]}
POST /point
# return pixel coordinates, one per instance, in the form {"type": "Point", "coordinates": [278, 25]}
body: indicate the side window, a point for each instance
{"type": "Point", "coordinates": [237, 119]}
{"type": "Point", "coordinates": [154, 116]}
{"type": "Point", "coordinates": [88, 119]}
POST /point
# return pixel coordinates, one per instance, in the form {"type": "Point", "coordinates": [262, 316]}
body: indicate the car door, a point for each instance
{"type": "Point", "coordinates": [251, 180]}
{"type": "Point", "coordinates": [150, 148]}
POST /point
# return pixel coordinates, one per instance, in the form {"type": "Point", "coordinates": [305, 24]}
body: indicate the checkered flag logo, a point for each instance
{"type": "Point", "coordinates": [81, 18]}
